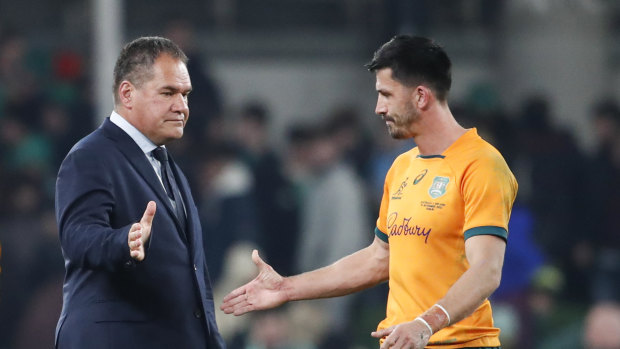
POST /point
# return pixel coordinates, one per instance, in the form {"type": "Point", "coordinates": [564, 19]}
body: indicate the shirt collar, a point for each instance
{"type": "Point", "coordinates": [141, 140]}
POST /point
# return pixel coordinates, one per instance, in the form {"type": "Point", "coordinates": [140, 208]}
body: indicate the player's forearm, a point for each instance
{"type": "Point", "coordinates": [360, 270]}
{"type": "Point", "coordinates": [485, 254]}
{"type": "Point", "coordinates": [471, 289]}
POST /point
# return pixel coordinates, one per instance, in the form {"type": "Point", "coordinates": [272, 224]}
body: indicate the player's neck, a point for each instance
{"type": "Point", "coordinates": [439, 132]}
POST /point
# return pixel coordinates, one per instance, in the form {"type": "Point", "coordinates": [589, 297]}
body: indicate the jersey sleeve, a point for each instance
{"type": "Point", "coordinates": [489, 189]}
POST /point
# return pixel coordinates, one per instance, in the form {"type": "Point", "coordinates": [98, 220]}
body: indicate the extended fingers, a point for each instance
{"type": "Point", "coordinates": [390, 341]}
{"type": "Point", "coordinates": [135, 242]}
{"type": "Point", "coordinates": [235, 293]}
{"type": "Point", "coordinates": [134, 227]}
{"type": "Point", "coordinates": [239, 308]}
{"type": "Point", "coordinates": [382, 333]}
{"type": "Point", "coordinates": [231, 301]}
{"type": "Point", "coordinates": [135, 233]}
{"type": "Point", "coordinates": [242, 309]}
{"type": "Point", "coordinates": [137, 254]}
{"type": "Point", "coordinates": [236, 304]}
{"type": "Point", "coordinates": [402, 336]}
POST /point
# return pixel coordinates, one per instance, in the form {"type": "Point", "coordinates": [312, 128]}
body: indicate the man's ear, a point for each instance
{"type": "Point", "coordinates": [125, 93]}
{"type": "Point", "coordinates": [422, 97]}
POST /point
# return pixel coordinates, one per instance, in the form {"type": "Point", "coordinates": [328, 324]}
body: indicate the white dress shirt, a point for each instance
{"type": "Point", "coordinates": [143, 142]}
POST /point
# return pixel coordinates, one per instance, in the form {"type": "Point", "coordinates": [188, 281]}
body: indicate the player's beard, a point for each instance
{"type": "Point", "coordinates": [401, 126]}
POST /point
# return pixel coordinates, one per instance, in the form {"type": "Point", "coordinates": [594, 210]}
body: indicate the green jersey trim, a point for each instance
{"type": "Point", "coordinates": [487, 230]}
{"type": "Point", "coordinates": [381, 235]}
{"type": "Point", "coordinates": [431, 156]}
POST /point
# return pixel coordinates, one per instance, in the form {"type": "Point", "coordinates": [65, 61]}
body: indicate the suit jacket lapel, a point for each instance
{"type": "Point", "coordinates": [135, 156]}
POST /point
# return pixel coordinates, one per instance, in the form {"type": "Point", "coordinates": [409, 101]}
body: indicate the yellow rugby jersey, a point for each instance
{"type": "Point", "coordinates": [430, 206]}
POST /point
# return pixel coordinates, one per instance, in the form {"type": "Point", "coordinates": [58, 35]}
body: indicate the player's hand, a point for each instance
{"type": "Point", "coordinates": [264, 292]}
{"type": "Point", "coordinates": [408, 335]}
{"type": "Point", "coordinates": [139, 233]}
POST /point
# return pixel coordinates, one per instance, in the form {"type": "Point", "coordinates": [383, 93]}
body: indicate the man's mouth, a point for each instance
{"type": "Point", "coordinates": [388, 119]}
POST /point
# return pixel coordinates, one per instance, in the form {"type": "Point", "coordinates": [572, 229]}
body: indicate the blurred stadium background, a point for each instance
{"type": "Point", "coordinates": [284, 152]}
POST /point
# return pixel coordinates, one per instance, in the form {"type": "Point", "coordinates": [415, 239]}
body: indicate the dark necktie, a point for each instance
{"type": "Point", "coordinates": [170, 184]}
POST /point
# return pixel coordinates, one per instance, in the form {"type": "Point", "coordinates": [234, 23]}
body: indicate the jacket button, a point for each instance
{"type": "Point", "coordinates": [195, 267]}
{"type": "Point", "coordinates": [197, 314]}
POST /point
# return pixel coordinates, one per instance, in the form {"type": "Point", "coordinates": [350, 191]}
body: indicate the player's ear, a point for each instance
{"type": "Point", "coordinates": [422, 97]}
{"type": "Point", "coordinates": [125, 92]}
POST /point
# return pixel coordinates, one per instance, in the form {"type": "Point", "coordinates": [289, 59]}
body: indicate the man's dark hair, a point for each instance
{"type": "Point", "coordinates": [136, 59]}
{"type": "Point", "coordinates": [415, 60]}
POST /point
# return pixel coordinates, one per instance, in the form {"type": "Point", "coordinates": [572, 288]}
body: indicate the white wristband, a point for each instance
{"type": "Point", "coordinates": [425, 323]}
{"type": "Point", "coordinates": [445, 311]}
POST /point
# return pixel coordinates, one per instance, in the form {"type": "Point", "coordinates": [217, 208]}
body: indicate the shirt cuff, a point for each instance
{"type": "Point", "coordinates": [381, 235]}
{"type": "Point", "coordinates": [487, 230]}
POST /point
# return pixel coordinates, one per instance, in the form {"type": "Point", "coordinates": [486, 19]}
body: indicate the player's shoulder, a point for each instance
{"type": "Point", "coordinates": [472, 148]}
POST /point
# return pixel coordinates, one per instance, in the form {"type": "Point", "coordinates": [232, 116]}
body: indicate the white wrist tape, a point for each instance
{"type": "Point", "coordinates": [425, 323]}
{"type": "Point", "coordinates": [445, 311]}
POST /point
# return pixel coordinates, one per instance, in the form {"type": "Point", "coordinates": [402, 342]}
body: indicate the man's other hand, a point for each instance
{"type": "Point", "coordinates": [139, 233]}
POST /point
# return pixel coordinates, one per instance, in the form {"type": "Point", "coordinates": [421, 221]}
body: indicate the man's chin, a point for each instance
{"type": "Point", "coordinates": [172, 137]}
{"type": "Point", "coordinates": [396, 134]}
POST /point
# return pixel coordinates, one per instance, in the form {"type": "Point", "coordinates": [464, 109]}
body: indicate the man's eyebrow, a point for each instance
{"type": "Point", "coordinates": [175, 89]}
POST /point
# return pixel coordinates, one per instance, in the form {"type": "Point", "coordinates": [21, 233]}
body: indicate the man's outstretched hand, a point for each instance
{"type": "Point", "coordinates": [266, 291]}
{"type": "Point", "coordinates": [139, 233]}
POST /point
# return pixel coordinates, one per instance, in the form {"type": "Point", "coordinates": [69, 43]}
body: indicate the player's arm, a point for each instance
{"type": "Point", "coordinates": [485, 254]}
{"type": "Point", "coordinates": [362, 269]}
{"type": "Point", "coordinates": [488, 203]}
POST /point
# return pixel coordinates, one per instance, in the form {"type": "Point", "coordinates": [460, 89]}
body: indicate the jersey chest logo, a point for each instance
{"type": "Point", "coordinates": [438, 187]}
{"type": "Point", "coordinates": [399, 193]}
{"type": "Point", "coordinates": [420, 176]}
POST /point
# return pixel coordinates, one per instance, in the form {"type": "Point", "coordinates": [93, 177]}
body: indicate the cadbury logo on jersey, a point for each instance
{"type": "Point", "coordinates": [406, 227]}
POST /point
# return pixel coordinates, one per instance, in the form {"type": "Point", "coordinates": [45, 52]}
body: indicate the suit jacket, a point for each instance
{"type": "Point", "coordinates": [110, 300]}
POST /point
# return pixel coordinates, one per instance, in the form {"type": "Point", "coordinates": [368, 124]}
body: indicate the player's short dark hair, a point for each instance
{"type": "Point", "coordinates": [415, 60]}
{"type": "Point", "coordinates": [136, 59]}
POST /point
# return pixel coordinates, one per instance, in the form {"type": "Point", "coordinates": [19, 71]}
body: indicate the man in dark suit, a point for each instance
{"type": "Point", "coordinates": [135, 277]}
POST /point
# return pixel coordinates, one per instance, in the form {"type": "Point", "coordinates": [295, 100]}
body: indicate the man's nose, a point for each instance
{"type": "Point", "coordinates": [381, 108]}
{"type": "Point", "coordinates": [180, 104]}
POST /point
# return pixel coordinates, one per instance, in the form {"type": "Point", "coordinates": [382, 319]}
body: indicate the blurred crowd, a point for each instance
{"type": "Point", "coordinates": [311, 200]}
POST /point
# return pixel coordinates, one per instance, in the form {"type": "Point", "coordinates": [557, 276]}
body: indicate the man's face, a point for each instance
{"type": "Point", "coordinates": [395, 105]}
{"type": "Point", "coordinates": [159, 106]}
